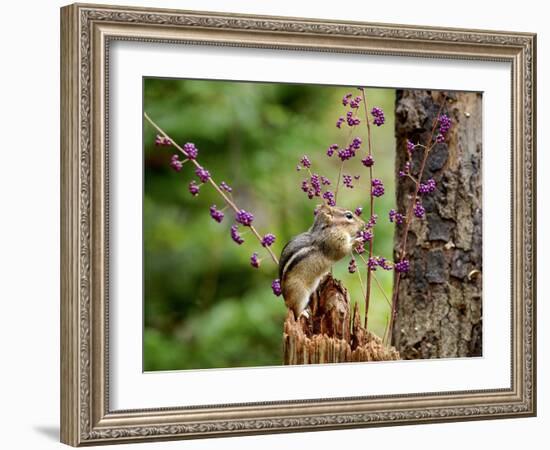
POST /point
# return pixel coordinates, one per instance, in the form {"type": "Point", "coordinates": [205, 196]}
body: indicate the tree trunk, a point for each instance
{"type": "Point", "coordinates": [331, 334]}
{"type": "Point", "coordinates": [439, 306]}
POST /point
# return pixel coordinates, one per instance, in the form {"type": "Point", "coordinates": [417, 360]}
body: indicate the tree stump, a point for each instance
{"type": "Point", "coordinates": [331, 334]}
{"type": "Point", "coordinates": [439, 308]}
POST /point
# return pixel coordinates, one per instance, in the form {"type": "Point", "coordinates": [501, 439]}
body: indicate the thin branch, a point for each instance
{"type": "Point", "coordinates": [371, 200]}
{"type": "Point", "coordinates": [213, 183]}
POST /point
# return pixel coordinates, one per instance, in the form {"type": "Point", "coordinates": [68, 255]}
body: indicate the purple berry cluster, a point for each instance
{"type": "Point", "coordinates": [428, 187]}
{"type": "Point", "coordinates": [377, 187]}
{"type": "Point", "coordinates": [402, 266]}
{"type": "Point", "coordinates": [332, 149]}
{"type": "Point", "coordinates": [365, 235]}
{"type": "Point", "coordinates": [244, 218]}
{"type": "Point", "coordinates": [329, 197]}
{"type": "Point", "coordinates": [276, 287]}
{"type": "Point", "coordinates": [346, 99]}
{"type": "Point", "coordinates": [348, 181]}
{"type": "Point", "coordinates": [355, 102]}
{"type": "Point", "coordinates": [216, 214]}
{"type": "Point", "coordinates": [194, 188]}
{"type": "Point", "coordinates": [305, 162]}
{"type": "Point", "coordinates": [350, 151]}
{"type": "Point", "coordinates": [313, 186]}
{"type": "Point", "coordinates": [268, 240]}
{"type": "Point", "coordinates": [202, 173]}
{"type": "Point", "coordinates": [368, 161]}
{"type": "Point", "coordinates": [419, 210]}
{"type": "Point", "coordinates": [378, 261]}
{"type": "Point", "coordinates": [372, 221]}
{"type": "Point", "coordinates": [255, 261]}
{"type": "Point", "coordinates": [191, 152]}
{"type": "Point", "coordinates": [358, 211]}
{"type": "Point", "coordinates": [235, 235]}
{"type": "Point", "coordinates": [162, 140]}
{"type": "Point", "coordinates": [175, 163]}
{"type": "Point", "coordinates": [444, 127]}
{"type": "Point", "coordinates": [396, 217]}
{"type": "Point", "coordinates": [352, 120]}
{"type": "Point", "coordinates": [226, 187]}
{"type": "Point", "coordinates": [378, 116]}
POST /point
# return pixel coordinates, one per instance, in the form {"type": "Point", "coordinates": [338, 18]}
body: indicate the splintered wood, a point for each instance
{"type": "Point", "coordinates": [331, 334]}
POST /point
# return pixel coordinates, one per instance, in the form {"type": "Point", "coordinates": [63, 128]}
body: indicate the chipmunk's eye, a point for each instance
{"type": "Point", "coordinates": [349, 215]}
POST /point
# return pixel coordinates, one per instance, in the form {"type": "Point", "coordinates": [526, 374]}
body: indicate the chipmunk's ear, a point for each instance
{"type": "Point", "coordinates": [323, 207]}
{"type": "Point", "coordinates": [323, 212]}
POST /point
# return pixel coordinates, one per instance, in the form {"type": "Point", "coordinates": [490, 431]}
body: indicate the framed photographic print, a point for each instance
{"type": "Point", "coordinates": [276, 224]}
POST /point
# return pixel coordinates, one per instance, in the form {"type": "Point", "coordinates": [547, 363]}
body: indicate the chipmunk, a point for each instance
{"type": "Point", "coordinates": [308, 257]}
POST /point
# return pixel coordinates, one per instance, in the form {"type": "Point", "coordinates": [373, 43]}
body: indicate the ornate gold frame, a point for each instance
{"type": "Point", "coordinates": [86, 31]}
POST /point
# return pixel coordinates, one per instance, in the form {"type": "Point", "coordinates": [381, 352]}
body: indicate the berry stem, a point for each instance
{"type": "Point", "coordinates": [212, 182]}
{"type": "Point", "coordinates": [338, 181]}
{"type": "Point", "coordinates": [371, 202]}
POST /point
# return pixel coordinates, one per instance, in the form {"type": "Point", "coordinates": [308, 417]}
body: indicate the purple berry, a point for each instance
{"type": "Point", "coordinates": [268, 240]}
{"type": "Point", "coordinates": [365, 235]}
{"type": "Point", "coordinates": [203, 174]}
{"type": "Point", "coordinates": [396, 217]}
{"type": "Point", "coordinates": [254, 261]}
{"type": "Point", "coordinates": [190, 150]}
{"type": "Point", "coordinates": [244, 218]}
{"type": "Point", "coordinates": [368, 161]}
{"type": "Point", "coordinates": [428, 187]}
{"type": "Point", "coordinates": [216, 214]}
{"type": "Point", "coordinates": [378, 115]}
{"type": "Point", "coordinates": [358, 211]}
{"type": "Point", "coordinates": [162, 140]}
{"type": "Point", "coordinates": [444, 124]}
{"type": "Point", "coordinates": [175, 163]}
{"type": "Point", "coordinates": [419, 210]}
{"type": "Point", "coordinates": [377, 187]}
{"type": "Point", "coordinates": [276, 287]}
{"type": "Point", "coordinates": [346, 98]}
{"type": "Point", "coordinates": [329, 197]}
{"type": "Point", "coordinates": [194, 188]}
{"type": "Point", "coordinates": [332, 149]}
{"type": "Point", "coordinates": [356, 143]}
{"type": "Point", "coordinates": [315, 182]}
{"type": "Point", "coordinates": [372, 221]}
{"type": "Point", "coordinates": [384, 263]}
{"type": "Point", "coordinates": [348, 181]}
{"type": "Point", "coordinates": [235, 235]}
{"type": "Point", "coordinates": [402, 266]}
{"type": "Point", "coordinates": [305, 162]}
{"type": "Point", "coordinates": [225, 187]}
{"type": "Point", "coordinates": [355, 102]}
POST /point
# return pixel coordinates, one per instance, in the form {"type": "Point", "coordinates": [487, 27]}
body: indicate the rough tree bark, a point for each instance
{"type": "Point", "coordinates": [439, 308]}
{"type": "Point", "coordinates": [331, 334]}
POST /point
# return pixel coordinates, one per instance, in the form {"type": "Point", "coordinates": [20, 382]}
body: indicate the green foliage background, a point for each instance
{"type": "Point", "coordinates": [204, 305]}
